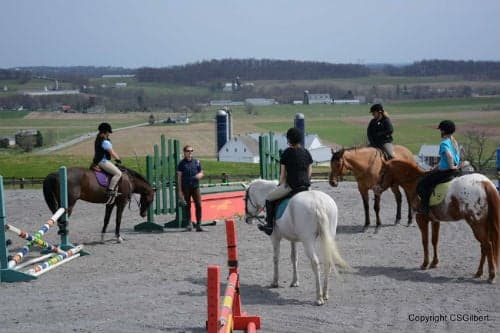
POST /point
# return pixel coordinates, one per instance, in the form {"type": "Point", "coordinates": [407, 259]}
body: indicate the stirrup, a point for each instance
{"type": "Point", "coordinates": [266, 228]}
{"type": "Point", "coordinates": [111, 197]}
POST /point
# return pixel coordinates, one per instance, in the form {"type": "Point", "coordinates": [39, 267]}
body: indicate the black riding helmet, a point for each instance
{"type": "Point", "coordinates": [294, 135]}
{"type": "Point", "coordinates": [376, 108]}
{"type": "Point", "coordinates": [447, 126]}
{"type": "Point", "coordinates": [104, 127]}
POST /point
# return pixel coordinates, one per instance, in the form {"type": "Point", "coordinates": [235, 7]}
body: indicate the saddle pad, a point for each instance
{"type": "Point", "coordinates": [102, 178]}
{"type": "Point", "coordinates": [281, 208]}
{"type": "Point", "coordinates": [439, 193]}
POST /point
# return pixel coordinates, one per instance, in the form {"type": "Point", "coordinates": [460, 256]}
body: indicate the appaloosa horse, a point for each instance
{"type": "Point", "coordinates": [82, 184]}
{"type": "Point", "coordinates": [471, 197]}
{"type": "Point", "coordinates": [365, 164]}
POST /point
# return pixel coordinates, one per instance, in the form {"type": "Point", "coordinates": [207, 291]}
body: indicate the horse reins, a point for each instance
{"type": "Point", "coordinates": [248, 199]}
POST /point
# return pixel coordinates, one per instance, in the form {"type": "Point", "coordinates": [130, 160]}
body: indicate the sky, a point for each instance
{"type": "Point", "coordinates": [161, 33]}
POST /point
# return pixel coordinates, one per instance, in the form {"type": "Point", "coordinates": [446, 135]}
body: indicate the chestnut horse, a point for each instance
{"type": "Point", "coordinates": [365, 164]}
{"type": "Point", "coordinates": [82, 184]}
{"type": "Point", "coordinates": [471, 197]}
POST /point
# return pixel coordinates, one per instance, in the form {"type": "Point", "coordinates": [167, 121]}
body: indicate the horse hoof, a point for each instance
{"type": "Point", "coordinates": [320, 302]}
{"type": "Point", "coordinates": [102, 238]}
{"type": "Point", "coordinates": [365, 228]}
{"type": "Point", "coordinates": [377, 229]}
{"type": "Point", "coordinates": [273, 285]}
{"type": "Point", "coordinates": [397, 222]}
{"type": "Point", "coordinates": [423, 267]}
{"type": "Point", "coordinates": [119, 240]}
{"type": "Point", "coordinates": [294, 284]}
{"type": "Point", "coordinates": [433, 265]}
{"type": "Point", "coordinates": [478, 275]}
{"type": "Point", "coordinates": [492, 281]}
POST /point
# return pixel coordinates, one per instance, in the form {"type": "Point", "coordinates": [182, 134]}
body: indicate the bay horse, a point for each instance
{"type": "Point", "coordinates": [309, 215]}
{"type": "Point", "coordinates": [82, 184]}
{"type": "Point", "coordinates": [365, 164]}
{"type": "Point", "coordinates": [471, 197]}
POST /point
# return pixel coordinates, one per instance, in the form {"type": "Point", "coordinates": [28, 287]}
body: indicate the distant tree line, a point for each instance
{"type": "Point", "coordinates": [250, 69]}
{"type": "Point", "coordinates": [472, 70]}
{"type": "Point", "coordinates": [214, 74]}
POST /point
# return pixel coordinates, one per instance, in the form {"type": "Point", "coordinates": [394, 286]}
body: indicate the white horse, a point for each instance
{"type": "Point", "coordinates": [309, 215]}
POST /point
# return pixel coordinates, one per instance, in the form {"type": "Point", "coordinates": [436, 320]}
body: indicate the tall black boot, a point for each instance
{"type": "Point", "coordinates": [268, 228]}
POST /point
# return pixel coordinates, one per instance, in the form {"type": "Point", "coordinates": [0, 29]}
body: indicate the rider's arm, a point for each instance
{"type": "Point", "coordinates": [451, 163]}
{"type": "Point", "coordinates": [113, 154]}
{"type": "Point", "coordinates": [282, 174]}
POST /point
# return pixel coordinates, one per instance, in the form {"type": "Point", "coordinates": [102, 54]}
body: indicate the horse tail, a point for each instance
{"type": "Point", "coordinates": [493, 220]}
{"type": "Point", "coordinates": [330, 250]}
{"type": "Point", "coordinates": [50, 184]}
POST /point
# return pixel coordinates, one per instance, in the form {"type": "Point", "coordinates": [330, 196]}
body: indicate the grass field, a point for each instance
{"type": "Point", "coordinates": [414, 123]}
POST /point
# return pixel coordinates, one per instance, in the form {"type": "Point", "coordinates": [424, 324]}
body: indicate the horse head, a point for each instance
{"type": "Point", "coordinates": [142, 187]}
{"type": "Point", "coordinates": [336, 167]}
{"type": "Point", "coordinates": [254, 204]}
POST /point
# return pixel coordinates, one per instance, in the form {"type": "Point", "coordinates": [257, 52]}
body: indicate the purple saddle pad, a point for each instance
{"type": "Point", "coordinates": [102, 178]}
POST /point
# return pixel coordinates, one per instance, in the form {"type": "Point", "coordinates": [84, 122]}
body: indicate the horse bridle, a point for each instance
{"type": "Point", "coordinates": [248, 199]}
{"type": "Point", "coordinates": [342, 163]}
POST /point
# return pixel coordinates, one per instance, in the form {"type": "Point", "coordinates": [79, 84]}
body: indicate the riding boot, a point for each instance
{"type": "Point", "coordinates": [268, 228]}
{"type": "Point", "coordinates": [424, 204]}
{"type": "Point", "coordinates": [110, 196]}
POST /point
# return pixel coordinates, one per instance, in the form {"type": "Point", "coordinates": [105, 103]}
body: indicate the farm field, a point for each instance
{"type": "Point", "coordinates": [344, 125]}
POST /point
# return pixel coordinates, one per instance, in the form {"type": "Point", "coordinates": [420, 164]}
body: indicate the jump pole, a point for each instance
{"type": "Point", "coordinates": [229, 317]}
{"type": "Point", "coordinates": [9, 270]}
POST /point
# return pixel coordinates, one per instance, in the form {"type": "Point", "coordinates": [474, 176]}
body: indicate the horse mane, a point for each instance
{"type": "Point", "coordinates": [135, 174]}
{"type": "Point", "coordinates": [339, 153]}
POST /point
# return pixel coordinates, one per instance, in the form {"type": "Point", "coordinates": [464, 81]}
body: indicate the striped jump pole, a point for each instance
{"type": "Point", "coordinates": [59, 254]}
{"type": "Point", "coordinates": [56, 261]}
{"type": "Point", "coordinates": [16, 259]}
{"type": "Point", "coordinates": [229, 317]}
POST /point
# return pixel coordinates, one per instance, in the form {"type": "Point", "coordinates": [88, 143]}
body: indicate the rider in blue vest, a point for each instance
{"type": "Point", "coordinates": [103, 152]}
{"type": "Point", "coordinates": [295, 175]}
{"type": "Point", "coordinates": [447, 167]}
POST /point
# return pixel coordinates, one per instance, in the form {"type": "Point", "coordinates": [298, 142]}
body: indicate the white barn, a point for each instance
{"type": "Point", "coordinates": [245, 148]}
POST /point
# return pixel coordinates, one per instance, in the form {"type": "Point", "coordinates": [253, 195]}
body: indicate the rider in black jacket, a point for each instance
{"type": "Point", "coordinates": [380, 130]}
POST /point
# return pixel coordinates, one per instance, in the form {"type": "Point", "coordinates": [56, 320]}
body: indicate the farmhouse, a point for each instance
{"type": "Point", "coordinates": [323, 98]}
{"type": "Point", "coordinates": [260, 101]}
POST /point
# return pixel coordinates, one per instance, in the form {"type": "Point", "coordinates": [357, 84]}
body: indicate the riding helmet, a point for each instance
{"type": "Point", "coordinates": [447, 126]}
{"type": "Point", "coordinates": [294, 135]}
{"type": "Point", "coordinates": [105, 127]}
{"type": "Point", "coordinates": [377, 108]}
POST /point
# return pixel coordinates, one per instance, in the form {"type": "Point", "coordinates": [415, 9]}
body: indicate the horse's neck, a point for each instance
{"type": "Point", "coordinates": [263, 189]}
{"type": "Point", "coordinates": [360, 160]}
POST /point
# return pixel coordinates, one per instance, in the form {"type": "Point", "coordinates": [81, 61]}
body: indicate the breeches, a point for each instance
{"type": "Point", "coordinates": [280, 192]}
{"type": "Point", "coordinates": [112, 170]}
{"type": "Point", "coordinates": [426, 185]}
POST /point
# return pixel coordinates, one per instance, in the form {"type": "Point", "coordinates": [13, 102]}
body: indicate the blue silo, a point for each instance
{"type": "Point", "coordinates": [300, 123]}
{"type": "Point", "coordinates": [221, 127]}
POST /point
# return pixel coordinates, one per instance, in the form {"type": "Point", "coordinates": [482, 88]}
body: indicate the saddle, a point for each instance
{"type": "Point", "coordinates": [281, 204]}
{"type": "Point", "coordinates": [439, 191]}
{"type": "Point", "coordinates": [103, 178]}
{"type": "Point", "coordinates": [384, 153]}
